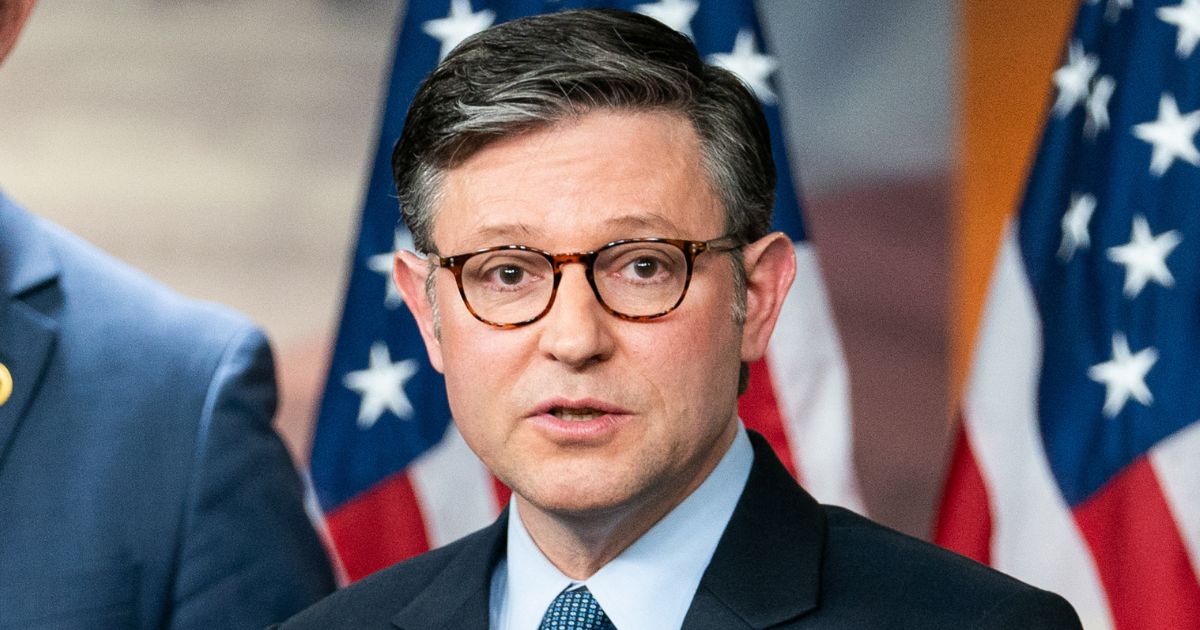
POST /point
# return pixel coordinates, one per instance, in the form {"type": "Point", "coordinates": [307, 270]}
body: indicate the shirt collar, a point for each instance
{"type": "Point", "coordinates": [651, 584]}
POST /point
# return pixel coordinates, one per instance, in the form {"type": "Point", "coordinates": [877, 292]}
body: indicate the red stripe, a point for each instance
{"type": "Point", "coordinates": [1140, 555]}
{"type": "Point", "coordinates": [378, 528]}
{"type": "Point", "coordinates": [502, 493]}
{"type": "Point", "coordinates": [759, 409]}
{"type": "Point", "coordinates": [964, 522]}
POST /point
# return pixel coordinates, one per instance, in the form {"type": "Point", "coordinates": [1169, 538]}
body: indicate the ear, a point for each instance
{"type": "Point", "coordinates": [12, 17]}
{"type": "Point", "coordinates": [770, 268]}
{"type": "Point", "coordinates": [409, 273]}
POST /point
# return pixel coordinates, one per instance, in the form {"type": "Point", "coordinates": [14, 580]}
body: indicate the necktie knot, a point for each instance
{"type": "Point", "coordinates": [575, 610]}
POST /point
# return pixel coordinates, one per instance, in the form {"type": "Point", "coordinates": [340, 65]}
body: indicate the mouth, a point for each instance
{"type": "Point", "coordinates": [579, 421]}
{"type": "Point", "coordinates": [577, 410]}
{"type": "Point", "coordinates": [576, 414]}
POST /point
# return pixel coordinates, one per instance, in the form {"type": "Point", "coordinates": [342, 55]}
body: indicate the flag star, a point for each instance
{"type": "Point", "coordinates": [1073, 78]}
{"type": "Point", "coordinates": [459, 25]}
{"type": "Point", "coordinates": [1113, 11]}
{"type": "Point", "coordinates": [1172, 135]}
{"type": "Point", "coordinates": [1096, 106]}
{"type": "Point", "coordinates": [1075, 225]}
{"type": "Point", "coordinates": [676, 14]}
{"type": "Point", "coordinates": [1124, 376]}
{"type": "Point", "coordinates": [1145, 257]}
{"type": "Point", "coordinates": [381, 386]}
{"type": "Point", "coordinates": [382, 265]}
{"type": "Point", "coordinates": [1185, 17]}
{"type": "Point", "coordinates": [748, 64]}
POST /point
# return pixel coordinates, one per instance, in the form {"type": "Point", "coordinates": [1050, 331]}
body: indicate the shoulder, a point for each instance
{"type": "Point", "coordinates": [134, 343]}
{"type": "Point", "coordinates": [374, 600]}
{"type": "Point", "coordinates": [127, 303]}
{"type": "Point", "coordinates": [833, 568]}
{"type": "Point", "coordinates": [877, 573]}
{"type": "Point", "coordinates": [132, 364]}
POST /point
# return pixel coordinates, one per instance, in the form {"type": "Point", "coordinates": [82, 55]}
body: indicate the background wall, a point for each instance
{"type": "Point", "coordinates": [221, 146]}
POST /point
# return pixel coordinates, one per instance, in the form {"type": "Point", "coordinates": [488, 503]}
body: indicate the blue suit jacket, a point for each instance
{"type": "Point", "coordinates": [784, 562]}
{"type": "Point", "coordinates": [141, 483]}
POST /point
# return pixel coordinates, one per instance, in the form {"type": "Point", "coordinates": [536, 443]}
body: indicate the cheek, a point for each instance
{"type": "Point", "coordinates": [478, 394]}
{"type": "Point", "coordinates": [478, 366]}
{"type": "Point", "coordinates": [485, 371]}
{"type": "Point", "coordinates": [691, 365]}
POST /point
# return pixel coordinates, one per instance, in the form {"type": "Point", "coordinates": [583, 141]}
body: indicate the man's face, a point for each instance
{"type": "Point", "coordinates": [581, 412]}
{"type": "Point", "coordinates": [12, 17]}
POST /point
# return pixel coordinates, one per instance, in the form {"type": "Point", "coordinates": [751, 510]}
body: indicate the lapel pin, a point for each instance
{"type": "Point", "coordinates": [6, 384]}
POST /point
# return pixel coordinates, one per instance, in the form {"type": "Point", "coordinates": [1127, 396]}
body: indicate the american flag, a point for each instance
{"type": "Point", "coordinates": [1078, 466]}
{"type": "Point", "coordinates": [390, 472]}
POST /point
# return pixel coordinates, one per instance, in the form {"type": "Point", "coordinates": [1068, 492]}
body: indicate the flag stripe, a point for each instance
{"type": "Point", "coordinates": [1176, 463]}
{"type": "Point", "coordinates": [1142, 560]}
{"type": "Point", "coordinates": [378, 527]}
{"type": "Point", "coordinates": [453, 489]}
{"type": "Point", "coordinates": [1034, 537]}
{"type": "Point", "coordinates": [967, 529]}
{"type": "Point", "coordinates": [759, 408]}
{"type": "Point", "coordinates": [812, 388]}
{"type": "Point", "coordinates": [501, 493]}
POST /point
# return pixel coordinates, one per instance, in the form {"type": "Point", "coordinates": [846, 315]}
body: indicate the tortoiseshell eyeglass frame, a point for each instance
{"type": "Point", "coordinates": [690, 249]}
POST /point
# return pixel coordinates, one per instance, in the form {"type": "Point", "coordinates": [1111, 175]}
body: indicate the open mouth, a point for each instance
{"type": "Point", "coordinates": [577, 414]}
{"type": "Point", "coordinates": [579, 421]}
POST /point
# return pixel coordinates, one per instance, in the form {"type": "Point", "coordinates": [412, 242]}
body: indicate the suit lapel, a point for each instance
{"type": "Point", "coordinates": [458, 596]}
{"type": "Point", "coordinates": [766, 569]}
{"type": "Point", "coordinates": [27, 336]}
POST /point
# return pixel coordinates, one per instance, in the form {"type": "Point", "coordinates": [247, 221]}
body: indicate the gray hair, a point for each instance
{"type": "Point", "coordinates": [537, 71]}
{"type": "Point", "coordinates": [533, 72]}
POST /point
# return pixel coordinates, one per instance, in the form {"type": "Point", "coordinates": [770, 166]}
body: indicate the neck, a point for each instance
{"type": "Point", "coordinates": [577, 546]}
{"type": "Point", "coordinates": [580, 543]}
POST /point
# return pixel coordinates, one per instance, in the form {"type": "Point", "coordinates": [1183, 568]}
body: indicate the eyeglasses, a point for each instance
{"type": "Point", "coordinates": [635, 279]}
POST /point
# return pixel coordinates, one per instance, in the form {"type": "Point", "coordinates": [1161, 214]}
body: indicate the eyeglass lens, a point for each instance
{"type": "Point", "coordinates": [633, 279]}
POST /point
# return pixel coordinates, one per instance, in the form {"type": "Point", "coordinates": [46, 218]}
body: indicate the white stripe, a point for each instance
{"type": "Point", "coordinates": [312, 508]}
{"type": "Point", "coordinates": [809, 374]}
{"type": "Point", "coordinates": [1177, 466]}
{"type": "Point", "coordinates": [454, 490]}
{"type": "Point", "coordinates": [1034, 536]}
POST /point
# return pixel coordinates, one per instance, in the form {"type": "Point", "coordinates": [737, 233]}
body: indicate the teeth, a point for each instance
{"type": "Point", "coordinates": [577, 415]}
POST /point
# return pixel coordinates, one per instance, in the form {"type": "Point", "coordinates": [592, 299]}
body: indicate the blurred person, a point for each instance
{"type": "Point", "coordinates": [141, 483]}
{"type": "Point", "coordinates": [594, 202]}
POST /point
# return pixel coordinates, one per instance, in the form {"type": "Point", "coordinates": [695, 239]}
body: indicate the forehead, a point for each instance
{"type": "Point", "coordinates": [579, 183]}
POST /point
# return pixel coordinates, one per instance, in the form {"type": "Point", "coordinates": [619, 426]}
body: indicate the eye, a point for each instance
{"type": "Point", "coordinates": [645, 268]}
{"type": "Point", "coordinates": [508, 275]}
{"type": "Point", "coordinates": [504, 272]}
{"type": "Point", "coordinates": [644, 265]}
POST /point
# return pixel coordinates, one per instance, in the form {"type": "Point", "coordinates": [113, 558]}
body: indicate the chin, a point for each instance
{"type": "Point", "coordinates": [574, 495]}
{"type": "Point", "coordinates": [587, 512]}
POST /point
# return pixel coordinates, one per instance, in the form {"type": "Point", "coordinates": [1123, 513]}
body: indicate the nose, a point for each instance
{"type": "Point", "coordinates": [577, 330]}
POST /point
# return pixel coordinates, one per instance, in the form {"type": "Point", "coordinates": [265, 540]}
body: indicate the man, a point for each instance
{"type": "Point", "coordinates": [141, 483]}
{"type": "Point", "coordinates": [595, 204]}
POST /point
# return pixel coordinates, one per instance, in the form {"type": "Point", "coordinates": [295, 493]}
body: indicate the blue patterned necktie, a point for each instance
{"type": "Point", "coordinates": [575, 610]}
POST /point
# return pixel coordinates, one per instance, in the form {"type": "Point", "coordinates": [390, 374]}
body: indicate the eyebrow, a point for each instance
{"type": "Point", "coordinates": [648, 223]}
{"type": "Point", "coordinates": [644, 221]}
{"type": "Point", "coordinates": [514, 232]}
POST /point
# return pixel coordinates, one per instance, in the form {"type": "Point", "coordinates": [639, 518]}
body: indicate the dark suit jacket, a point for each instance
{"type": "Point", "coordinates": [784, 561]}
{"type": "Point", "coordinates": [141, 484]}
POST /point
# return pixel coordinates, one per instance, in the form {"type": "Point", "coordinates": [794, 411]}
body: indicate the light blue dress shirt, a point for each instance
{"type": "Point", "coordinates": [650, 585]}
